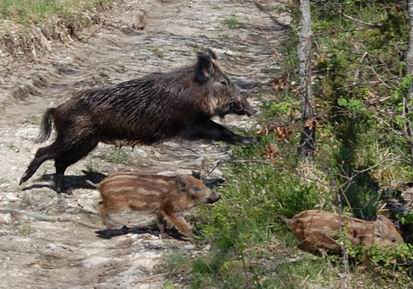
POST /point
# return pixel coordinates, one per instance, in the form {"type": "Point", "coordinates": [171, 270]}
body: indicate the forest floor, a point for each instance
{"type": "Point", "coordinates": [50, 240]}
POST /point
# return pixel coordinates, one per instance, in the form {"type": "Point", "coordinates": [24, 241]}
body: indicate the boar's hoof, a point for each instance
{"type": "Point", "coordinates": [23, 179]}
{"type": "Point", "coordinates": [61, 189]}
{"type": "Point", "coordinates": [248, 140]}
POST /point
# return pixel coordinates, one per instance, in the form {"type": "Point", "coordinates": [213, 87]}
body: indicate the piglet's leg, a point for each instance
{"type": "Point", "coordinates": [178, 221]}
{"type": "Point", "coordinates": [162, 225]}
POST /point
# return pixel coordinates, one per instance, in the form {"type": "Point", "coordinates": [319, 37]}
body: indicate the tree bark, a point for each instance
{"type": "Point", "coordinates": [307, 142]}
{"type": "Point", "coordinates": [409, 55]}
{"type": "Point", "coordinates": [408, 100]}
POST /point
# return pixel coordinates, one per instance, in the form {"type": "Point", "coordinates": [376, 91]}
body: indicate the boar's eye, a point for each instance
{"type": "Point", "coordinates": [197, 190]}
{"type": "Point", "coordinates": [224, 82]}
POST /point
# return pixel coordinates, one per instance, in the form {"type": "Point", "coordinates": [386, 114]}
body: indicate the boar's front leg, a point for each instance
{"type": "Point", "coordinates": [211, 130]}
{"type": "Point", "coordinates": [178, 221]}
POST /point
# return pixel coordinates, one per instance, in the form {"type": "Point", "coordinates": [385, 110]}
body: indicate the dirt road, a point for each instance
{"type": "Point", "coordinates": [49, 240]}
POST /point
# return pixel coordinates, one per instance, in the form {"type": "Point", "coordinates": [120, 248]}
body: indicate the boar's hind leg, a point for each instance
{"type": "Point", "coordinates": [70, 156]}
{"type": "Point", "coordinates": [213, 131]}
{"type": "Point", "coordinates": [105, 217]}
{"type": "Point", "coordinates": [43, 154]}
{"type": "Point", "coordinates": [162, 225]}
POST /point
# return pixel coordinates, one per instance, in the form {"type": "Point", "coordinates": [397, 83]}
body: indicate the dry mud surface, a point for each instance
{"type": "Point", "coordinates": [49, 240]}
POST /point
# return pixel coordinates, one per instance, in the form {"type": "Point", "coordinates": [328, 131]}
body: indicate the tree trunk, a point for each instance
{"type": "Point", "coordinates": [408, 100]}
{"type": "Point", "coordinates": [409, 55]}
{"type": "Point", "coordinates": [307, 142]}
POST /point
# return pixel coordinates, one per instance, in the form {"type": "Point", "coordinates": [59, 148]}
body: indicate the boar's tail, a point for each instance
{"type": "Point", "coordinates": [46, 125]}
{"type": "Point", "coordinates": [92, 183]}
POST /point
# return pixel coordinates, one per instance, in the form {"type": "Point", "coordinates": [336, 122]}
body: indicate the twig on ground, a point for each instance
{"type": "Point", "coordinates": [361, 21]}
{"type": "Point", "coordinates": [357, 74]}
{"type": "Point", "coordinates": [379, 77]}
{"type": "Point", "coordinates": [345, 275]}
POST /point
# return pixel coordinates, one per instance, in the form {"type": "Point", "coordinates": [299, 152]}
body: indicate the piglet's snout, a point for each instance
{"type": "Point", "coordinates": [213, 198]}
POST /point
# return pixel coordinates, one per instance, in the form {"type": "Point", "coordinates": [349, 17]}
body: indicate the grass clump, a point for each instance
{"type": "Point", "coordinates": [29, 11]}
{"type": "Point", "coordinates": [232, 22]}
{"type": "Point", "coordinates": [26, 229]}
{"type": "Point", "coordinates": [116, 156]}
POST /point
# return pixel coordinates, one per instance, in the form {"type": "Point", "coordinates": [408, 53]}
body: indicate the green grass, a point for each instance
{"type": "Point", "coordinates": [232, 22]}
{"type": "Point", "coordinates": [27, 11]}
{"type": "Point", "coordinates": [116, 156]}
{"type": "Point", "coordinates": [26, 229]}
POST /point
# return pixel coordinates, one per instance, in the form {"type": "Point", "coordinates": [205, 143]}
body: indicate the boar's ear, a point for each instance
{"type": "Point", "coordinates": [383, 219]}
{"type": "Point", "coordinates": [379, 228]}
{"type": "Point", "coordinates": [386, 222]}
{"type": "Point", "coordinates": [212, 54]}
{"type": "Point", "coordinates": [196, 175]}
{"type": "Point", "coordinates": [182, 183]}
{"type": "Point", "coordinates": [204, 68]}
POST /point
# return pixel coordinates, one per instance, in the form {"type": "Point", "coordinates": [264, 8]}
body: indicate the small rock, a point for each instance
{"type": "Point", "coordinates": [11, 197]}
{"type": "Point", "coordinates": [165, 173]}
{"type": "Point", "coordinates": [189, 247]}
{"type": "Point", "coordinates": [198, 162]}
{"type": "Point", "coordinates": [51, 246]}
{"type": "Point", "coordinates": [207, 248]}
{"type": "Point", "coordinates": [5, 218]}
{"type": "Point", "coordinates": [140, 21]}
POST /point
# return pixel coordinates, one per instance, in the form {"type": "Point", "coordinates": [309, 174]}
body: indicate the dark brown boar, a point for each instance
{"type": "Point", "coordinates": [166, 196]}
{"type": "Point", "coordinates": [145, 111]}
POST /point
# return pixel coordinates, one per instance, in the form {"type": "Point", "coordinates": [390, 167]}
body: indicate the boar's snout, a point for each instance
{"type": "Point", "coordinates": [212, 198]}
{"type": "Point", "coordinates": [197, 190]}
{"type": "Point", "coordinates": [251, 112]}
{"type": "Point", "coordinates": [385, 232]}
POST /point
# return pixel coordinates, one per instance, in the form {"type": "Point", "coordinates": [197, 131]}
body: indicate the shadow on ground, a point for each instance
{"type": "Point", "coordinates": [153, 230]}
{"type": "Point", "coordinates": [84, 181]}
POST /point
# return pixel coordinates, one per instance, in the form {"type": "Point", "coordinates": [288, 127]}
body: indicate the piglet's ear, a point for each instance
{"type": "Point", "coordinates": [204, 68]}
{"type": "Point", "coordinates": [182, 183]}
{"type": "Point", "coordinates": [384, 220]}
{"type": "Point", "coordinates": [212, 54]}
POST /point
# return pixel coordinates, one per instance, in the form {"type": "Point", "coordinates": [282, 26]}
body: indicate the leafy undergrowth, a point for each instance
{"type": "Point", "coordinates": [359, 84]}
{"type": "Point", "coordinates": [253, 248]}
{"type": "Point", "coordinates": [33, 11]}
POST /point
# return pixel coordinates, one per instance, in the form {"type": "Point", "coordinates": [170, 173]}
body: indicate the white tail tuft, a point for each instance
{"type": "Point", "coordinates": [92, 183]}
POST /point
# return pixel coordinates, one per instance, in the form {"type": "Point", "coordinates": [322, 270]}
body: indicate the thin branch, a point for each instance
{"type": "Point", "coordinates": [408, 126]}
{"type": "Point", "coordinates": [379, 78]}
{"type": "Point", "coordinates": [356, 75]}
{"type": "Point", "coordinates": [361, 21]}
{"type": "Point", "coordinates": [407, 109]}
{"type": "Point", "coordinates": [345, 275]}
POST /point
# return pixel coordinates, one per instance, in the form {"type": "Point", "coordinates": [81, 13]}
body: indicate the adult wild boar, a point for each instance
{"type": "Point", "coordinates": [147, 110]}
